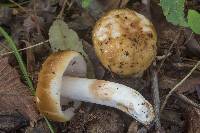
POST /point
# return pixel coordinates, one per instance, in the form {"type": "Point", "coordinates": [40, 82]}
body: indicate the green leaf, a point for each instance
{"type": "Point", "coordinates": [174, 11]}
{"type": "Point", "coordinates": [194, 21]}
{"type": "Point", "coordinates": [85, 3]}
{"type": "Point", "coordinates": [63, 38]}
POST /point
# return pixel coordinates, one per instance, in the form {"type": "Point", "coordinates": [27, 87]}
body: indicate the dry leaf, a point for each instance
{"type": "Point", "coordinates": [193, 46]}
{"type": "Point", "coordinates": [14, 95]}
{"type": "Point", "coordinates": [198, 91]}
{"type": "Point", "coordinates": [9, 122]}
{"type": "Point", "coordinates": [102, 120]}
{"type": "Point", "coordinates": [5, 15]}
{"type": "Point", "coordinates": [33, 22]}
{"type": "Point", "coordinates": [3, 48]}
{"type": "Point", "coordinates": [40, 127]}
{"type": "Point", "coordinates": [193, 120]}
{"type": "Point", "coordinates": [172, 117]}
{"type": "Point", "coordinates": [30, 59]}
{"type": "Point", "coordinates": [99, 69]}
{"type": "Point", "coordinates": [43, 5]}
{"type": "Point", "coordinates": [188, 86]}
{"type": "Point", "coordinates": [81, 22]}
{"type": "Point", "coordinates": [98, 7]}
{"type": "Point", "coordinates": [133, 127]}
{"type": "Point", "coordinates": [166, 82]}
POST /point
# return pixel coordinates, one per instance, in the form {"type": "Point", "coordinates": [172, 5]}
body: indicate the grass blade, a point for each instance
{"type": "Point", "coordinates": [19, 59]}
{"type": "Point", "coordinates": [13, 47]}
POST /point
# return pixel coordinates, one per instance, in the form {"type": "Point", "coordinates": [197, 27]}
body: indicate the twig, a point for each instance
{"type": "Point", "coordinates": [22, 8]}
{"type": "Point", "coordinates": [187, 100]}
{"type": "Point", "coordinates": [35, 17]}
{"type": "Point", "coordinates": [188, 38]}
{"type": "Point", "coordinates": [184, 65]}
{"type": "Point", "coordinates": [170, 48]}
{"type": "Point", "coordinates": [161, 57]}
{"type": "Point", "coordinates": [177, 85]}
{"type": "Point", "coordinates": [38, 44]}
{"type": "Point", "coordinates": [70, 4]}
{"type": "Point", "coordinates": [187, 59]}
{"type": "Point", "coordinates": [62, 10]}
{"type": "Point", "coordinates": [156, 98]}
{"type": "Point", "coordinates": [13, 5]}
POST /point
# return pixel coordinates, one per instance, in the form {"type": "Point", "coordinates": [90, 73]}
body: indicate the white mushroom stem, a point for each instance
{"type": "Point", "coordinates": [110, 94]}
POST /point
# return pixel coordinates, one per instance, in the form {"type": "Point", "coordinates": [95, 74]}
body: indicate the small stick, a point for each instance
{"type": "Point", "coordinates": [37, 24]}
{"type": "Point", "coordinates": [70, 4]}
{"type": "Point", "coordinates": [156, 98]}
{"type": "Point", "coordinates": [184, 65]}
{"type": "Point", "coordinates": [22, 8]}
{"type": "Point", "coordinates": [177, 85]}
{"type": "Point", "coordinates": [162, 56]}
{"type": "Point", "coordinates": [187, 59]}
{"type": "Point", "coordinates": [25, 48]}
{"type": "Point", "coordinates": [187, 100]}
{"type": "Point", "coordinates": [168, 52]}
{"type": "Point", "coordinates": [62, 9]}
{"type": "Point", "coordinates": [188, 38]}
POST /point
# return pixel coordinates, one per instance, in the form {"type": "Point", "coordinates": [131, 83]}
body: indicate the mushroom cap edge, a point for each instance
{"type": "Point", "coordinates": [49, 84]}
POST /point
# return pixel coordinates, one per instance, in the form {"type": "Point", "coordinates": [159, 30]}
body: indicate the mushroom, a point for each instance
{"type": "Point", "coordinates": [62, 79]}
{"type": "Point", "coordinates": [125, 42]}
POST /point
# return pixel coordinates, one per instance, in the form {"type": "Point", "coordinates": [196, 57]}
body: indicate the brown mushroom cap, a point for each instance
{"type": "Point", "coordinates": [125, 41]}
{"type": "Point", "coordinates": [50, 82]}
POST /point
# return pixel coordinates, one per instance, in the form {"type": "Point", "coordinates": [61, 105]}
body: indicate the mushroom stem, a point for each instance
{"type": "Point", "coordinates": [110, 94]}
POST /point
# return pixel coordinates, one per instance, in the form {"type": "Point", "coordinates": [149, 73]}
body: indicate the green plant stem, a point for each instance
{"type": "Point", "coordinates": [19, 59]}
{"type": "Point", "coordinates": [12, 45]}
{"type": "Point", "coordinates": [49, 125]}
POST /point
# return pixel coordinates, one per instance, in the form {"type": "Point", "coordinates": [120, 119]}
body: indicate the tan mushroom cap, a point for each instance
{"type": "Point", "coordinates": [125, 41]}
{"type": "Point", "coordinates": [50, 82]}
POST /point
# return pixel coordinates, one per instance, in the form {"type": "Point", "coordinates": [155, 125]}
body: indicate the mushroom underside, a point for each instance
{"type": "Point", "coordinates": [76, 68]}
{"type": "Point", "coordinates": [77, 88]}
